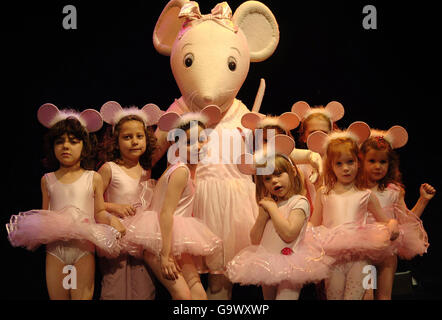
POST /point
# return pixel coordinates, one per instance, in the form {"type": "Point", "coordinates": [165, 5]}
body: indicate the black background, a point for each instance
{"type": "Point", "coordinates": [385, 77]}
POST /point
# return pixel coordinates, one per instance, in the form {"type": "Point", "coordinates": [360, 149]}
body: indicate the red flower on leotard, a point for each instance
{"type": "Point", "coordinates": [286, 251]}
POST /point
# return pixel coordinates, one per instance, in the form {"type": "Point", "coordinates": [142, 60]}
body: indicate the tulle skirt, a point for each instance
{"type": "Point", "coordinates": [355, 241]}
{"type": "Point", "coordinates": [189, 236]}
{"type": "Point", "coordinates": [33, 228]}
{"type": "Point", "coordinates": [413, 239]}
{"type": "Point", "coordinates": [256, 265]}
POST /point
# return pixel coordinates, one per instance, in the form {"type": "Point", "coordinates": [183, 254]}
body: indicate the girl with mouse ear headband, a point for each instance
{"type": "Point", "coordinates": [341, 209]}
{"type": "Point", "coordinates": [282, 257]}
{"type": "Point", "coordinates": [127, 150]}
{"type": "Point", "coordinates": [380, 167]}
{"type": "Point", "coordinates": [175, 244]}
{"type": "Point", "coordinates": [72, 202]}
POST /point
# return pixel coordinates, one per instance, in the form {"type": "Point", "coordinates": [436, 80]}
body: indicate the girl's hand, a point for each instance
{"type": "Point", "coordinates": [263, 214]}
{"type": "Point", "coordinates": [123, 210]}
{"type": "Point", "coordinates": [427, 192]}
{"type": "Point", "coordinates": [169, 267]}
{"type": "Point", "coordinates": [268, 204]}
{"type": "Point", "coordinates": [393, 228]}
{"type": "Point", "coordinates": [116, 223]}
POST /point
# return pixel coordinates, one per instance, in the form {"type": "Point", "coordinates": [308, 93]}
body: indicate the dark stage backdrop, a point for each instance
{"type": "Point", "coordinates": [385, 77]}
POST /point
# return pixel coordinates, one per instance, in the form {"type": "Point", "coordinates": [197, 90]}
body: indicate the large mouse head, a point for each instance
{"type": "Point", "coordinates": [210, 54]}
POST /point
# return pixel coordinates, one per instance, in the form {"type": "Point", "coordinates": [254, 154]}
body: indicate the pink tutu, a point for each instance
{"type": "Point", "coordinates": [32, 228]}
{"type": "Point", "coordinates": [355, 241]}
{"type": "Point", "coordinates": [255, 265]}
{"type": "Point", "coordinates": [189, 236]}
{"type": "Point", "coordinates": [413, 239]}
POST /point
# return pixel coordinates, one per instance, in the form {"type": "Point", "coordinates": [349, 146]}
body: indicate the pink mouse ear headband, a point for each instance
{"type": "Point", "coordinates": [249, 164]}
{"type": "Point", "coordinates": [286, 121]}
{"type": "Point", "coordinates": [48, 115]}
{"type": "Point", "coordinates": [396, 136]}
{"type": "Point", "coordinates": [112, 113]}
{"type": "Point", "coordinates": [210, 115]}
{"type": "Point", "coordinates": [333, 110]}
{"type": "Point", "coordinates": [318, 141]}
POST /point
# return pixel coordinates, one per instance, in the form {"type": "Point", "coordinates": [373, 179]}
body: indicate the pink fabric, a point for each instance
{"type": "Point", "coordinates": [70, 217]}
{"type": "Point", "coordinates": [126, 277]}
{"type": "Point", "coordinates": [344, 233]}
{"type": "Point", "coordinates": [224, 197]}
{"type": "Point", "coordinates": [413, 239]}
{"type": "Point", "coordinates": [189, 234]}
{"type": "Point", "coordinates": [266, 264]}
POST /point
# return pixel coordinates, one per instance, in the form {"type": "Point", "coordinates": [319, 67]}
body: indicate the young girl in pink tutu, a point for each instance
{"type": "Point", "coordinates": [281, 260]}
{"type": "Point", "coordinates": [72, 202]}
{"type": "Point", "coordinates": [340, 214]}
{"type": "Point", "coordinates": [176, 245]}
{"type": "Point", "coordinates": [380, 167]}
{"type": "Point", "coordinates": [127, 151]}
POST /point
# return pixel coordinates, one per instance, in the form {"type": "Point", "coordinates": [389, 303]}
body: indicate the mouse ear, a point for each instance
{"type": "Point", "coordinates": [398, 136]}
{"type": "Point", "coordinates": [246, 164]}
{"type": "Point", "coordinates": [289, 120]}
{"type": "Point", "coordinates": [92, 119]}
{"type": "Point", "coordinates": [47, 113]}
{"type": "Point", "coordinates": [284, 144]}
{"type": "Point", "coordinates": [250, 120]}
{"type": "Point", "coordinates": [153, 113]}
{"type": "Point", "coordinates": [317, 142]}
{"type": "Point", "coordinates": [361, 130]}
{"type": "Point", "coordinates": [213, 113]}
{"type": "Point", "coordinates": [336, 110]}
{"type": "Point", "coordinates": [301, 108]}
{"type": "Point", "coordinates": [168, 120]}
{"type": "Point", "coordinates": [109, 110]}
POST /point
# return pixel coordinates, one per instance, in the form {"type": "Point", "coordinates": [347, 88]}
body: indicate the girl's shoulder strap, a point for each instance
{"type": "Point", "coordinates": [299, 202]}
{"type": "Point", "coordinates": [50, 179]}
{"type": "Point", "coordinates": [174, 167]}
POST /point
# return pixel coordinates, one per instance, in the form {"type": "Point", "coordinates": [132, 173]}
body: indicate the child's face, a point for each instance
{"type": "Point", "coordinates": [67, 149]}
{"type": "Point", "coordinates": [132, 140]}
{"type": "Point", "coordinates": [278, 184]}
{"type": "Point", "coordinates": [315, 124]}
{"type": "Point", "coordinates": [375, 164]}
{"type": "Point", "coordinates": [345, 167]}
{"type": "Point", "coordinates": [194, 145]}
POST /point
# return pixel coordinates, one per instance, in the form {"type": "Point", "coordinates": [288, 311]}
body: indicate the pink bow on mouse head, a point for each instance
{"type": "Point", "coordinates": [112, 113]}
{"type": "Point", "coordinates": [250, 164]}
{"type": "Point", "coordinates": [318, 141]}
{"type": "Point", "coordinates": [48, 115]}
{"type": "Point", "coordinates": [396, 136]}
{"type": "Point", "coordinates": [209, 116]}
{"type": "Point", "coordinates": [221, 14]}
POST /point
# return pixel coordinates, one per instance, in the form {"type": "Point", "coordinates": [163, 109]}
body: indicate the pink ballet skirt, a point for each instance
{"type": "Point", "coordinates": [413, 239]}
{"type": "Point", "coordinates": [274, 261]}
{"type": "Point", "coordinates": [355, 241]}
{"type": "Point", "coordinates": [33, 228]}
{"type": "Point", "coordinates": [189, 236]}
{"type": "Point", "coordinates": [255, 265]}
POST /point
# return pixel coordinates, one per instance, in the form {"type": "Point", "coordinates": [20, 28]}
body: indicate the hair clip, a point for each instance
{"type": "Point", "coordinates": [396, 136]}
{"type": "Point", "coordinates": [333, 110]}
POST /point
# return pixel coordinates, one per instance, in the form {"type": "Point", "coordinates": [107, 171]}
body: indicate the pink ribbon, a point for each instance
{"type": "Point", "coordinates": [221, 14]}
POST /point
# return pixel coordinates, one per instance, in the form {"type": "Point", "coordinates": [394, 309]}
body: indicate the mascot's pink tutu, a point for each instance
{"type": "Point", "coordinates": [273, 261]}
{"type": "Point", "coordinates": [189, 234]}
{"type": "Point", "coordinates": [36, 227]}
